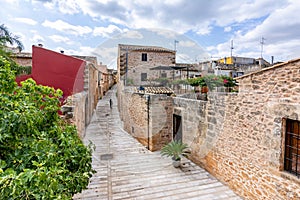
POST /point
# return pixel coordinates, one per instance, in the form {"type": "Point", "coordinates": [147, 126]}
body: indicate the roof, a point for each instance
{"type": "Point", "coordinates": [167, 68]}
{"type": "Point", "coordinates": [154, 90]}
{"type": "Point", "coordinates": [144, 48]}
{"type": "Point", "coordinates": [103, 69]}
{"type": "Point", "coordinates": [22, 55]}
{"type": "Point", "coordinates": [269, 68]}
{"type": "Point", "coordinates": [178, 66]}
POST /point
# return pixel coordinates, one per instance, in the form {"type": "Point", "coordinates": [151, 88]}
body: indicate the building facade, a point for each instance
{"type": "Point", "coordinates": [135, 64]}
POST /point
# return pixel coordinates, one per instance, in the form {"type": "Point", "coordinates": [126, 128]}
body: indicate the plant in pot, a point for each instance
{"type": "Point", "coordinates": [176, 150]}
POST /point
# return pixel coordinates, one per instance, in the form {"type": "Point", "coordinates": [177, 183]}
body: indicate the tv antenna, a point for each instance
{"type": "Point", "coordinates": [231, 48]}
{"type": "Point", "coordinates": [175, 42]}
{"type": "Point", "coordinates": [262, 42]}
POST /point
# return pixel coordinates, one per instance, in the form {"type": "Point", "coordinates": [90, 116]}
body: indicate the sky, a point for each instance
{"type": "Point", "coordinates": [204, 29]}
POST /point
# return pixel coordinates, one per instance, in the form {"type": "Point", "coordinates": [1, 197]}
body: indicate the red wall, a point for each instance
{"type": "Point", "coordinates": [57, 70]}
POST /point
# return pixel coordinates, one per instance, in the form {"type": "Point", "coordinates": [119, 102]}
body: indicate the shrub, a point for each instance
{"type": "Point", "coordinates": [212, 81]}
{"type": "Point", "coordinates": [41, 156]}
{"type": "Point", "coordinates": [175, 149]}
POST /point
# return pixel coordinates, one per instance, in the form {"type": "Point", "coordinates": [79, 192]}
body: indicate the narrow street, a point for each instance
{"type": "Point", "coordinates": [127, 170]}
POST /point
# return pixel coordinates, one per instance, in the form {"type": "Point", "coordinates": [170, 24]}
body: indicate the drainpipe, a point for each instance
{"type": "Point", "coordinates": [148, 121]}
{"type": "Point", "coordinates": [125, 79]}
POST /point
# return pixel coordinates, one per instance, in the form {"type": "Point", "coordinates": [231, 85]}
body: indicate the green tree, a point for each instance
{"type": "Point", "coordinates": [7, 37]}
{"type": "Point", "coordinates": [41, 156]}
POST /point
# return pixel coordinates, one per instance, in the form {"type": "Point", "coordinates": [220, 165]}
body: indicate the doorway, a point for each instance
{"type": "Point", "coordinates": [177, 128]}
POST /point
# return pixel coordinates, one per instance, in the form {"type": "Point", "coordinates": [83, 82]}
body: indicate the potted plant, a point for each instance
{"type": "Point", "coordinates": [176, 150]}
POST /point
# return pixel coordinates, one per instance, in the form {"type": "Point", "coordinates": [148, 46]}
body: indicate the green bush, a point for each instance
{"type": "Point", "coordinates": [212, 81]}
{"type": "Point", "coordinates": [41, 156]}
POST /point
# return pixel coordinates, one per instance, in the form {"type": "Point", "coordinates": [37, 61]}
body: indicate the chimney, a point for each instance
{"type": "Point", "coordinates": [272, 60]}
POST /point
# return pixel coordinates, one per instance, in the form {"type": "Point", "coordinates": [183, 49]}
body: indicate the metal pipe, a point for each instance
{"type": "Point", "coordinates": [148, 121]}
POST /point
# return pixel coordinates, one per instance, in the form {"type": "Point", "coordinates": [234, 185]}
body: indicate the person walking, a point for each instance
{"type": "Point", "coordinates": [110, 103]}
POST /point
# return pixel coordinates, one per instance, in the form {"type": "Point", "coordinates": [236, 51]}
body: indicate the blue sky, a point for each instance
{"type": "Point", "coordinates": [203, 28]}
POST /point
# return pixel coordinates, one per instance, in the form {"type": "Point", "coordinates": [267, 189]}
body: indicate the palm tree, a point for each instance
{"type": "Point", "coordinates": [7, 37]}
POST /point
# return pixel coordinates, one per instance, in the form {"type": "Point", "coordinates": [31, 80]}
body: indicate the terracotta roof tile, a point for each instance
{"type": "Point", "coordinates": [155, 90]}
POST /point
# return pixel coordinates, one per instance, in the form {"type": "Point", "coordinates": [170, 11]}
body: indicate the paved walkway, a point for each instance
{"type": "Point", "coordinates": [126, 170]}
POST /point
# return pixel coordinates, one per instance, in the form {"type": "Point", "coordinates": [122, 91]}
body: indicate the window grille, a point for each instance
{"type": "Point", "coordinates": [292, 147]}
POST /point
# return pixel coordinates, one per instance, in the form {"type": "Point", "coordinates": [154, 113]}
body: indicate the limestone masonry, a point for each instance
{"type": "Point", "coordinates": [237, 137]}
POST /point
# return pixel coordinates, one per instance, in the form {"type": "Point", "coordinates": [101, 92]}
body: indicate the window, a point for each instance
{"type": "Point", "coordinates": [292, 147]}
{"type": "Point", "coordinates": [163, 75]}
{"type": "Point", "coordinates": [144, 57]}
{"type": "Point", "coordinates": [143, 76]}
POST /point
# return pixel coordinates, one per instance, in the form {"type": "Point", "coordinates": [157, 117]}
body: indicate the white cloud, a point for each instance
{"type": "Point", "coordinates": [37, 39]}
{"type": "Point", "coordinates": [281, 31]}
{"type": "Point", "coordinates": [67, 28]}
{"type": "Point", "coordinates": [187, 43]}
{"type": "Point", "coordinates": [108, 31]}
{"type": "Point", "coordinates": [25, 20]}
{"type": "Point", "coordinates": [180, 16]}
{"type": "Point", "coordinates": [13, 2]}
{"type": "Point", "coordinates": [227, 29]}
{"type": "Point", "coordinates": [245, 22]}
{"type": "Point", "coordinates": [66, 7]}
{"type": "Point", "coordinates": [60, 39]}
{"type": "Point", "coordinates": [106, 54]}
{"type": "Point", "coordinates": [131, 34]}
{"type": "Point", "coordinates": [82, 51]}
{"type": "Point", "coordinates": [165, 33]}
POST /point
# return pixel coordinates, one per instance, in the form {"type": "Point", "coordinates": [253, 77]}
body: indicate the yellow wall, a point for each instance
{"type": "Point", "coordinates": [229, 60]}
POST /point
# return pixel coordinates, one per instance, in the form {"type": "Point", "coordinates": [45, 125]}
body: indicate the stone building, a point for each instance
{"type": "Point", "coordinates": [103, 79]}
{"type": "Point", "coordinates": [233, 66]}
{"type": "Point", "coordinates": [250, 140]}
{"type": "Point", "coordinates": [23, 58]}
{"type": "Point", "coordinates": [135, 63]}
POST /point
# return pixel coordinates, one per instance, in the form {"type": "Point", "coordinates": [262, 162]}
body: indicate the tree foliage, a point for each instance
{"type": "Point", "coordinates": [41, 156]}
{"type": "Point", "coordinates": [212, 81]}
{"type": "Point", "coordinates": [7, 37]}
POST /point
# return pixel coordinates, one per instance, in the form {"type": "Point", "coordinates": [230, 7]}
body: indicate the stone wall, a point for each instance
{"type": "Point", "coordinates": [147, 117]}
{"type": "Point", "coordinates": [78, 102]}
{"type": "Point", "coordinates": [238, 137]}
{"type": "Point", "coordinates": [80, 106]}
{"type": "Point", "coordinates": [194, 122]}
{"type": "Point", "coordinates": [23, 59]}
{"type": "Point", "coordinates": [91, 87]}
{"type": "Point", "coordinates": [161, 110]}
{"type": "Point", "coordinates": [248, 133]}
